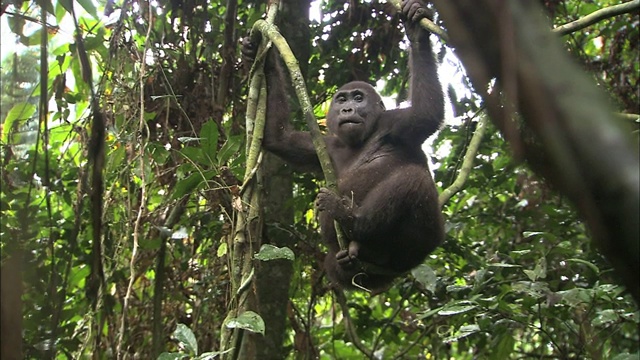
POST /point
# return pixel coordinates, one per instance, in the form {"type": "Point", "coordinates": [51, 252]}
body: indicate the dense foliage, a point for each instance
{"type": "Point", "coordinates": [518, 276]}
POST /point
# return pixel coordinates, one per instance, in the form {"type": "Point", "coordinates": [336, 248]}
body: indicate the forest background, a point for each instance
{"type": "Point", "coordinates": [123, 184]}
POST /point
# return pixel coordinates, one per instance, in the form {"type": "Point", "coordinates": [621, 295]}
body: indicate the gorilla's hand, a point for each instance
{"type": "Point", "coordinates": [338, 207]}
{"type": "Point", "coordinates": [413, 11]}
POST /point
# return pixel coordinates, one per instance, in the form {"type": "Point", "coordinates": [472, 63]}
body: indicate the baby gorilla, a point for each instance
{"type": "Point", "coordinates": [388, 203]}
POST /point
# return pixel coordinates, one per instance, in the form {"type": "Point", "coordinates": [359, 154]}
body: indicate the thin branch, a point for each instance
{"type": "Point", "coordinates": [596, 16]}
{"type": "Point", "coordinates": [467, 163]}
{"type": "Point", "coordinates": [137, 227]}
{"type": "Point", "coordinates": [426, 23]}
{"type": "Point", "coordinates": [348, 324]}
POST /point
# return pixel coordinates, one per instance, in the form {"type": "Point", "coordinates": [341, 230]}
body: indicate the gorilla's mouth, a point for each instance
{"type": "Point", "coordinates": [350, 122]}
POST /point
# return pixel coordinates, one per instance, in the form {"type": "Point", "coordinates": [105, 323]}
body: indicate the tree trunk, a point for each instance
{"type": "Point", "coordinates": [273, 277]}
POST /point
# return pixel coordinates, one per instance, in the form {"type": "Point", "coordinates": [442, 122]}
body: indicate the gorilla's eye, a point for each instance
{"type": "Point", "coordinates": [358, 97]}
{"type": "Point", "coordinates": [341, 98]}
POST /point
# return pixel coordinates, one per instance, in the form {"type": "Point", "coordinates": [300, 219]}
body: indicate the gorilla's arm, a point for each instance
{"type": "Point", "coordinates": [280, 138]}
{"type": "Point", "coordinates": [426, 113]}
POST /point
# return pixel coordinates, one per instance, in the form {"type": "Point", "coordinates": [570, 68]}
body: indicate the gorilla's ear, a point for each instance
{"type": "Point", "coordinates": [382, 105]}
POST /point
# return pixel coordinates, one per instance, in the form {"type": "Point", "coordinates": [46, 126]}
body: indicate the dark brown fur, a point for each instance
{"type": "Point", "coordinates": [389, 204]}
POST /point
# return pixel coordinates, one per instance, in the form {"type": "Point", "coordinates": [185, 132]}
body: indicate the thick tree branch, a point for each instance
{"type": "Point", "coordinates": [596, 16]}
{"type": "Point", "coordinates": [569, 134]}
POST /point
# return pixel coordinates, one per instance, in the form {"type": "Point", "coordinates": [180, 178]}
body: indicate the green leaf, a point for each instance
{"type": "Point", "coordinates": [19, 112]}
{"type": "Point", "coordinates": [539, 272]}
{"type": "Point", "coordinates": [530, 234]}
{"type": "Point", "coordinates": [463, 332]}
{"type": "Point", "coordinates": [587, 263]}
{"type": "Point", "coordinates": [222, 249]}
{"type": "Point", "coordinates": [504, 347]}
{"type": "Point", "coordinates": [456, 309]}
{"type": "Point", "coordinates": [606, 317]}
{"type": "Point", "coordinates": [229, 149]}
{"type": "Point", "coordinates": [196, 154]}
{"type": "Point", "coordinates": [248, 320]}
{"type": "Point", "coordinates": [534, 289]}
{"type": "Point", "coordinates": [191, 183]}
{"type": "Point", "coordinates": [209, 135]}
{"type": "Point", "coordinates": [60, 11]}
{"type": "Point", "coordinates": [504, 265]}
{"type": "Point", "coordinates": [425, 276]}
{"type": "Point", "coordinates": [186, 337]}
{"type": "Point", "coordinates": [269, 252]}
{"type": "Point", "coordinates": [627, 356]}
{"type": "Point", "coordinates": [187, 139]}
{"type": "Point", "coordinates": [89, 7]}
{"type": "Point", "coordinates": [577, 296]}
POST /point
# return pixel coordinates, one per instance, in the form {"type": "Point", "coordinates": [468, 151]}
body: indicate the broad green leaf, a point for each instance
{"type": "Point", "coordinates": [456, 309]}
{"type": "Point", "coordinates": [209, 135]}
{"type": "Point", "coordinates": [60, 11]}
{"type": "Point", "coordinates": [535, 289]}
{"type": "Point", "coordinates": [463, 332]}
{"type": "Point", "coordinates": [606, 317]}
{"type": "Point", "coordinates": [185, 336]}
{"type": "Point", "coordinates": [89, 7]}
{"type": "Point", "coordinates": [229, 149]}
{"type": "Point", "coordinates": [425, 276]}
{"type": "Point", "coordinates": [504, 347]}
{"type": "Point", "coordinates": [222, 249]}
{"type": "Point", "coordinates": [248, 320]}
{"type": "Point", "coordinates": [576, 296]}
{"type": "Point", "coordinates": [191, 183]}
{"type": "Point", "coordinates": [196, 154]}
{"type": "Point", "coordinates": [269, 252]}
{"type": "Point", "coordinates": [429, 313]}
{"type": "Point", "coordinates": [19, 112]}
{"type": "Point", "coordinates": [539, 272]}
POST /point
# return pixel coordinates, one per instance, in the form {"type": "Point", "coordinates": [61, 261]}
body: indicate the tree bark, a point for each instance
{"type": "Point", "coordinates": [274, 277]}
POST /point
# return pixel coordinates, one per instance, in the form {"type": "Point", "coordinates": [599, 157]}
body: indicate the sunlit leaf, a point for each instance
{"type": "Point", "coordinates": [270, 252]}
{"type": "Point", "coordinates": [463, 332]}
{"type": "Point", "coordinates": [425, 276]}
{"type": "Point", "coordinates": [456, 309]}
{"type": "Point", "coordinates": [248, 320]}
